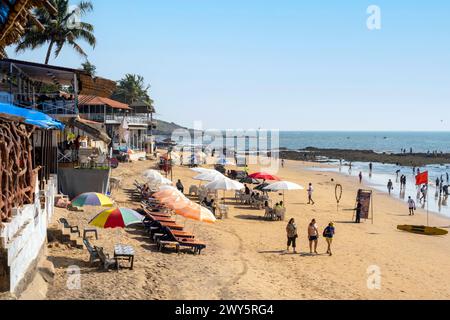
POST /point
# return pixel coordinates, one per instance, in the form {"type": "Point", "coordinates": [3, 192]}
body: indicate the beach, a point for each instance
{"type": "Point", "coordinates": [245, 257]}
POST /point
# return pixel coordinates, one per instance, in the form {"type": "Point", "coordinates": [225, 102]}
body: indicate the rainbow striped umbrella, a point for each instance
{"type": "Point", "coordinates": [116, 218]}
{"type": "Point", "coordinates": [92, 199]}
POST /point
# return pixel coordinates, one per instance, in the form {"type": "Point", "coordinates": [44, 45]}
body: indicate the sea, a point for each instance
{"type": "Point", "coordinates": [377, 141]}
{"type": "Point", "coordinates": [389, 142]}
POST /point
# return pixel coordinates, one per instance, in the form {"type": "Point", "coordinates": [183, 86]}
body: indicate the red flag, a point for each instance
{"type": "Point", "coordinates": [422, 178]}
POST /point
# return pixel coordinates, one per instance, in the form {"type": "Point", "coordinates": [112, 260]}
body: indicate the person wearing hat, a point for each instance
{"type": "Point", "coordinates": [328, 234]}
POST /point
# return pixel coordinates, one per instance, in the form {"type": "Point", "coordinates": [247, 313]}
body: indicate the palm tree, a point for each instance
{"type": "Point", "coordinates": [89, 68]}
{"type": "Point", "coordinates": [132, 88]}
{"type": "Point", "coordinates": [58, 30]}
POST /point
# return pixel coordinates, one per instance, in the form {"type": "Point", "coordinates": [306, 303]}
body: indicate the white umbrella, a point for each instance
{"type": "Point", "coordinates": [202, 170]}
{"type": "Point", "coordinates": [166, 187]}
{"type": "Point", "coordinates": [165, 181]}
{"type": "Point", "coordinates": [151, 174]}
{"type": "Point", "coordinates": [209, 176]}
{"type": "Point", "coordinates": [156, 178]}
{"type": "Point", "coordinates": [283, 186]}
{"type": "Point", "coordinates": [224, 183]}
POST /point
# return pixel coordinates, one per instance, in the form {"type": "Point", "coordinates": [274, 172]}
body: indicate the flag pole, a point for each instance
{"type": "Point", "coordinates": [428, 211]}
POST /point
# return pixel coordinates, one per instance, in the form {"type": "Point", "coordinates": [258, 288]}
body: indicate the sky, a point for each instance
{"type": "Point", "coordinates": [279, 64]}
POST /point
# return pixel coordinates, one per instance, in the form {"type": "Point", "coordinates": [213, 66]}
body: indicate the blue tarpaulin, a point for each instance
{"type": "Point", "coordinates": [31, 117]}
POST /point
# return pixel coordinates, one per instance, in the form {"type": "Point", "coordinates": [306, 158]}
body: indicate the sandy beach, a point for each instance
{"type": "Point", "coordinates": [245, 258]}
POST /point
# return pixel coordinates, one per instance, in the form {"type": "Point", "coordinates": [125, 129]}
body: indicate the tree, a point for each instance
{"type": "Point", "coordinates": [132, 88]}
{"type": "Point", "coordinates": [89, 68]}
{"type": "Point", "coordinates": [60, 29]}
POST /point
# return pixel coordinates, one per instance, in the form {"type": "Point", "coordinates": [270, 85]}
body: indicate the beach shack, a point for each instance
{"type": "Point", "coordinates": [27, 190]}
{"type": "Point", "coordinates": [82, 147]}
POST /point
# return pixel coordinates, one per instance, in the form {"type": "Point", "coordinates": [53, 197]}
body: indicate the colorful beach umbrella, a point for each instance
{"type": "Point", "coordinates": [92, 199]}
{"type": "Point", "coordinates": [264, 176]}
{"type": "Point", "coordinates": [196, 212]}
{"type": "Point", "coordinates": [116, 218]}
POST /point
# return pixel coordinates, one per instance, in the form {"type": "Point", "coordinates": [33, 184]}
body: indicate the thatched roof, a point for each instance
{"type": "Point", "coordinates": [63, 76]}
{"type": "Point", "coordinates": [14, 15]}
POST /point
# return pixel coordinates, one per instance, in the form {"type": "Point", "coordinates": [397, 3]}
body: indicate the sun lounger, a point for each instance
{"type": "Point", "coordinates": [93, 254]}
{"type": "Point", "coordinates": [176, 233]}
{"type": "Point", "coordinates": [196, 245]}
{"type": "Point", "coordinates": [107, 262]}
{"type": "Point", "coordinates": [162, 244]}
{"type": "Point", "coordinates": [66, 225]}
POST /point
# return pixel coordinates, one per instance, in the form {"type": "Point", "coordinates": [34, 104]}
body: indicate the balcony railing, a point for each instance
{"type": "Point", "coordinates": [132, 119]}
{"type": "Point", "coordinates": [50, 106]}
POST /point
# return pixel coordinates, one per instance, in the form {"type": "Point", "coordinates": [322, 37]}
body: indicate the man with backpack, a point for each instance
{"type": "Point", "coordinates": [328, 234]}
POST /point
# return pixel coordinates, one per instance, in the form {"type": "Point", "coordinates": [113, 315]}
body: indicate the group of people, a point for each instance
{"type": "Point", "coordinates": [313, 236]}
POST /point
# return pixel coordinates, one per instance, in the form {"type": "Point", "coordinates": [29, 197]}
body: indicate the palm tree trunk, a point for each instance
{"type": "Point", "coordinates": [49, 51]}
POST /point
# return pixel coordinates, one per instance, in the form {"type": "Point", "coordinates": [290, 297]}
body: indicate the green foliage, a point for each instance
{"type": "Point", "coordinates": [58, 31]}
{"type": "Point", "coordinates": [89, 68]}
{"type": "Point", "coordinates": [132, 88]}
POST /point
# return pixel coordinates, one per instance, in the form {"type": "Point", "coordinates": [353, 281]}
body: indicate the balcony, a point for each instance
{"type": "Point", "coordinates": [54, 106]}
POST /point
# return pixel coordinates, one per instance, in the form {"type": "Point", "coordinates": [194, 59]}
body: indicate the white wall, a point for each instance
{"type": "Point", "coordinates": [25, 235]}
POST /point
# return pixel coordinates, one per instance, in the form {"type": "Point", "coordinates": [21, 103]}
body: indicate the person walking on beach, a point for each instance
{"type": "Point", "coordinates": [358, 212]}
{"type": "Point", "coordinates": [411, 205]}
{"type": "Point", "coordinates": [390, 186]}
{"type": "Point", "coordinates": [370, 167]}
{"type": "Point", "coordinates": [313, 236]}
{"type": "Point", "coordinates": [282, 163]}
{"type": "Point", "coordinates": [310, 193]}
{"type": "Point", "coordinates": [328, 234]}
{"type": "Point", "coordinates": [360, 177]}
{"type": "Point", "coordinates": [180, 186]}
{"type": "Point", "coordinates": [291, 230]}
{"type": "Point", "coordinates": [423, 191]}
{"type": "Point", "coordinates": [446, 174]}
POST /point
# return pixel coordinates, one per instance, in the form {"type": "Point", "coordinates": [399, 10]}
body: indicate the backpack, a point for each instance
{"type": "Point", "coordinates": [326, 232]}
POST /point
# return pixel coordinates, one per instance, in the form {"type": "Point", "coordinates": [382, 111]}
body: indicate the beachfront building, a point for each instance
{"type": "Point", "coordinates": [28, 188]}
{"type": "Point", "coordinates": [55, 91]}
{"type": "Point", "coordinates": [129, 126]}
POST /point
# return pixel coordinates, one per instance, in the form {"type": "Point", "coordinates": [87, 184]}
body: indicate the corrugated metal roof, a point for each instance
{"type": "Point", "coordinates": [100, 101]}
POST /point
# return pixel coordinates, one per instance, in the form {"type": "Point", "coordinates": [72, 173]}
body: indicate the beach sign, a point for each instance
{"type": "Point", "coordinates": [365, 197]}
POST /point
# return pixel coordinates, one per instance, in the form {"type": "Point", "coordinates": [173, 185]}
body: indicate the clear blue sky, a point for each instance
{"type": "Point", "coordinates": [294, 65]}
